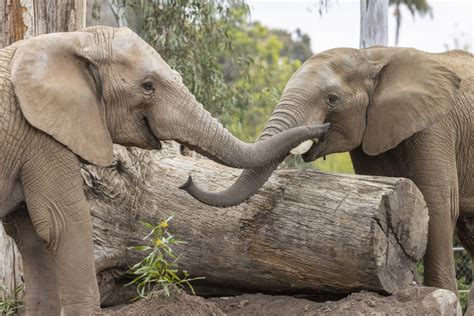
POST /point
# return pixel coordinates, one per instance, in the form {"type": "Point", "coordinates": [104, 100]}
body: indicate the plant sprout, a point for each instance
{"type": "Point", "coordinates": [159, 269]}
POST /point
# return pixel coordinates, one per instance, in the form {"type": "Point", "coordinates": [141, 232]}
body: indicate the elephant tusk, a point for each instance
{"type": "Point", "coordinates": [304, 146]}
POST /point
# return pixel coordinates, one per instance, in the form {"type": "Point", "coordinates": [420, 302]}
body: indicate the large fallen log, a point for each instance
{"type": "Point", "coordinates": [304, 232]}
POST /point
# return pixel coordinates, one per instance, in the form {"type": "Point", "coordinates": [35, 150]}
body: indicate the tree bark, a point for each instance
{"type": "Point", "coordinates": [304, 232]}
{"type": "Point", "coordinates": [373, 23]}
{"type": "Point", "coordinates": [23, 19]}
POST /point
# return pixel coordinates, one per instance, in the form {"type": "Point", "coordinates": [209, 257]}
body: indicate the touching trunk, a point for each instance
{"type": "Point", "coordinates": [246, 185]}
{"type": "Point", "coordinates": [202, 133]}
{"type": "Point", "coordinates": [290, 113]}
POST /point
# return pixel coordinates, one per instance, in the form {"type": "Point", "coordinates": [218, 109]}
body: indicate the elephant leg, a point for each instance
{"type": "Point", "coordinates": [42, 294]}
{"type": "Point", "coordinates": [465, 233]}
{"type": "Point", "coordinates": [60, 216]}
{"type": "Point", "coordinates": [443, 207]}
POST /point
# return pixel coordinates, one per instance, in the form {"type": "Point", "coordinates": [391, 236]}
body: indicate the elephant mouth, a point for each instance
{"type": "Point", "coordinates": [152, 139]}
{"type": "Point", "coordinates": [316, 150]}
{"type": "Point", "coordinates": [311, 149]}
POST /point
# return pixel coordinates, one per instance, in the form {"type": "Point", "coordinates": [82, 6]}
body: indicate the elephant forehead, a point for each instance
{"type": "Point", "coordinates": [321, 75]}
{"type": "Point", "coordinates": [339, 61]}
{"type": "Point", "coordinates": [139, 54]}
{"type": "Point", "coordinates": [124, 46]}
{"type": "Point", "coordinates": [126, 49]}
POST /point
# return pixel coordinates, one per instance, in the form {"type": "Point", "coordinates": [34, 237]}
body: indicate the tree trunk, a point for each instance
{"type": "Point", "coordinates": [22, 19]}
{"type": "Point", "coordinates": [373, 23]}
{"type": "Point", "coordinates": [304, 232]}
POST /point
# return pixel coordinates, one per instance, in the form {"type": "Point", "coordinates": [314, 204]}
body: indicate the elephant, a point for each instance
{"type": "Point", "coordinates": [66, 98]}
{"type": "Point", "coordinates": [400, 112]}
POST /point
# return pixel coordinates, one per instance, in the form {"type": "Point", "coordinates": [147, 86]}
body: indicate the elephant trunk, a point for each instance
{"type": "Point", "coordinates": [203, 133]}
{"type": "Point", "coordinates": [245, 186]}
{"type": "Point", "coordinates": [289, 113]}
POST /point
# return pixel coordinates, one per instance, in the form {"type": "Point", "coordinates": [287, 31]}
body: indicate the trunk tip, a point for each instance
{"type": "Point", "coordinates": [325, 128]}
{"type": "Point", "coordinates": [321, 130]}
{"type": "Point", "coordinates": [186, 185]}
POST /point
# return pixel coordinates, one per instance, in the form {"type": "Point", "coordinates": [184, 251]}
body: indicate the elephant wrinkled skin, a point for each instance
{"type": "Point", "coordinates": [401, 113]}
{"type": "Point", "coordinates": [67, 97]}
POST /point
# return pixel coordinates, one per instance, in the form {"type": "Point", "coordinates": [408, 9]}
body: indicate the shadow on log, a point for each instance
{"type": "Point", "coordinates": [304, 232]}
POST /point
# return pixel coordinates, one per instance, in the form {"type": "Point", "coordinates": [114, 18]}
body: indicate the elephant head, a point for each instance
{"type": "Point", "coordinates": [373, 98]}
{"type": "Point", "coordinates": [103, 85]}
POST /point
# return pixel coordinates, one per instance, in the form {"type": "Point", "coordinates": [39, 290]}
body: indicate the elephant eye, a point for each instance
{"type": "Point", "coordinates": [332, 100]}
{"type": "Point", "coordinates": [148, 87]}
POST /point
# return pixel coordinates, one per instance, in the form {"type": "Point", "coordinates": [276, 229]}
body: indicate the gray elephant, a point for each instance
{"type": "Point", "coordinates": [67, 97]}
{"type": "Point", "coordinates": [401, 113]}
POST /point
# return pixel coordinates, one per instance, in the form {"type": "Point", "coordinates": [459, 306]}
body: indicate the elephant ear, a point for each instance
{"type": "Point", "coordinates": [412, 92]}
{"type": "Point", "coordinates": [58, 88]}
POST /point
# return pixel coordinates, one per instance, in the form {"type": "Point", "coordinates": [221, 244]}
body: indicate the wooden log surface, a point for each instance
{"type": "Point", "coordinates": [304, 232]}
{"type": "Point", "coordinates": [11, 268]}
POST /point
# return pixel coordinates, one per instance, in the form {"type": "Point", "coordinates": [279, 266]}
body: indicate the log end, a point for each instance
{"type": "Point", "coordinates": [400, 235]}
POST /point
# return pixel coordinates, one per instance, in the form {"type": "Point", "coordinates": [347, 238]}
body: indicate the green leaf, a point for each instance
{"type": "Point", "coordinates": [159, 269]}
{"type": "Point", "coordinates": [147, 225]}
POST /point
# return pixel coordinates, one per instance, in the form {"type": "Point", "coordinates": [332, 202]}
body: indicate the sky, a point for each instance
{"type": "Point", "coordinates": [339, 26]}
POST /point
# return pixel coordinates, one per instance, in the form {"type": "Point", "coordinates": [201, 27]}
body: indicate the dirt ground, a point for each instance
{"type": "Point", "coordinates": [179, 303]}
{"type": "Point", "coordinates": [410, 301]}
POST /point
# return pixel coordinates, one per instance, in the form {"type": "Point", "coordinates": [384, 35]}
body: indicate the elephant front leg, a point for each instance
{"type": "Point", "coordinates": [443, 206]}
{"type": "Point", "coordinates": [60, 216]}
{"type": "Point", "coordinates": [76, 269]}
{"type": "Point", "coordinates": [42, 294]}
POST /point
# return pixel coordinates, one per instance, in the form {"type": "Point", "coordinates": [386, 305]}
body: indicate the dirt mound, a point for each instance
{"type": "Point", "coordinates": [179, 303]}
{"type": "Point", "coordinates": [410, 301]}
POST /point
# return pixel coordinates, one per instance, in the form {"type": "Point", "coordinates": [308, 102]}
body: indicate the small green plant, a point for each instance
{"type": "Point", "coordinates": [159, 269]}
{"type": "Point", "coordinates": [9, 304]}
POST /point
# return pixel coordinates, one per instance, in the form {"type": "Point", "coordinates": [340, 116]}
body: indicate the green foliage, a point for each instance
{"type": "Point", "coordinates": [420, 270]}
{"type": "Point", "coordinates": [159, 269]}
{"type": "Point", "coordinates": [340, 162]}
{"type": "Point", "coordinates": [192, 36]}
{"type": "Point", "coordinates": [9, 304]}
{"type": "Point", "coordinates": [275, 56]}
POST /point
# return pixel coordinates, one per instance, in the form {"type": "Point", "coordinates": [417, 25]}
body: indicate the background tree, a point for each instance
{"type": "Point", "coordinates": [414, 6]}
{"type": "Point", "coordinates": [373, 23]}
